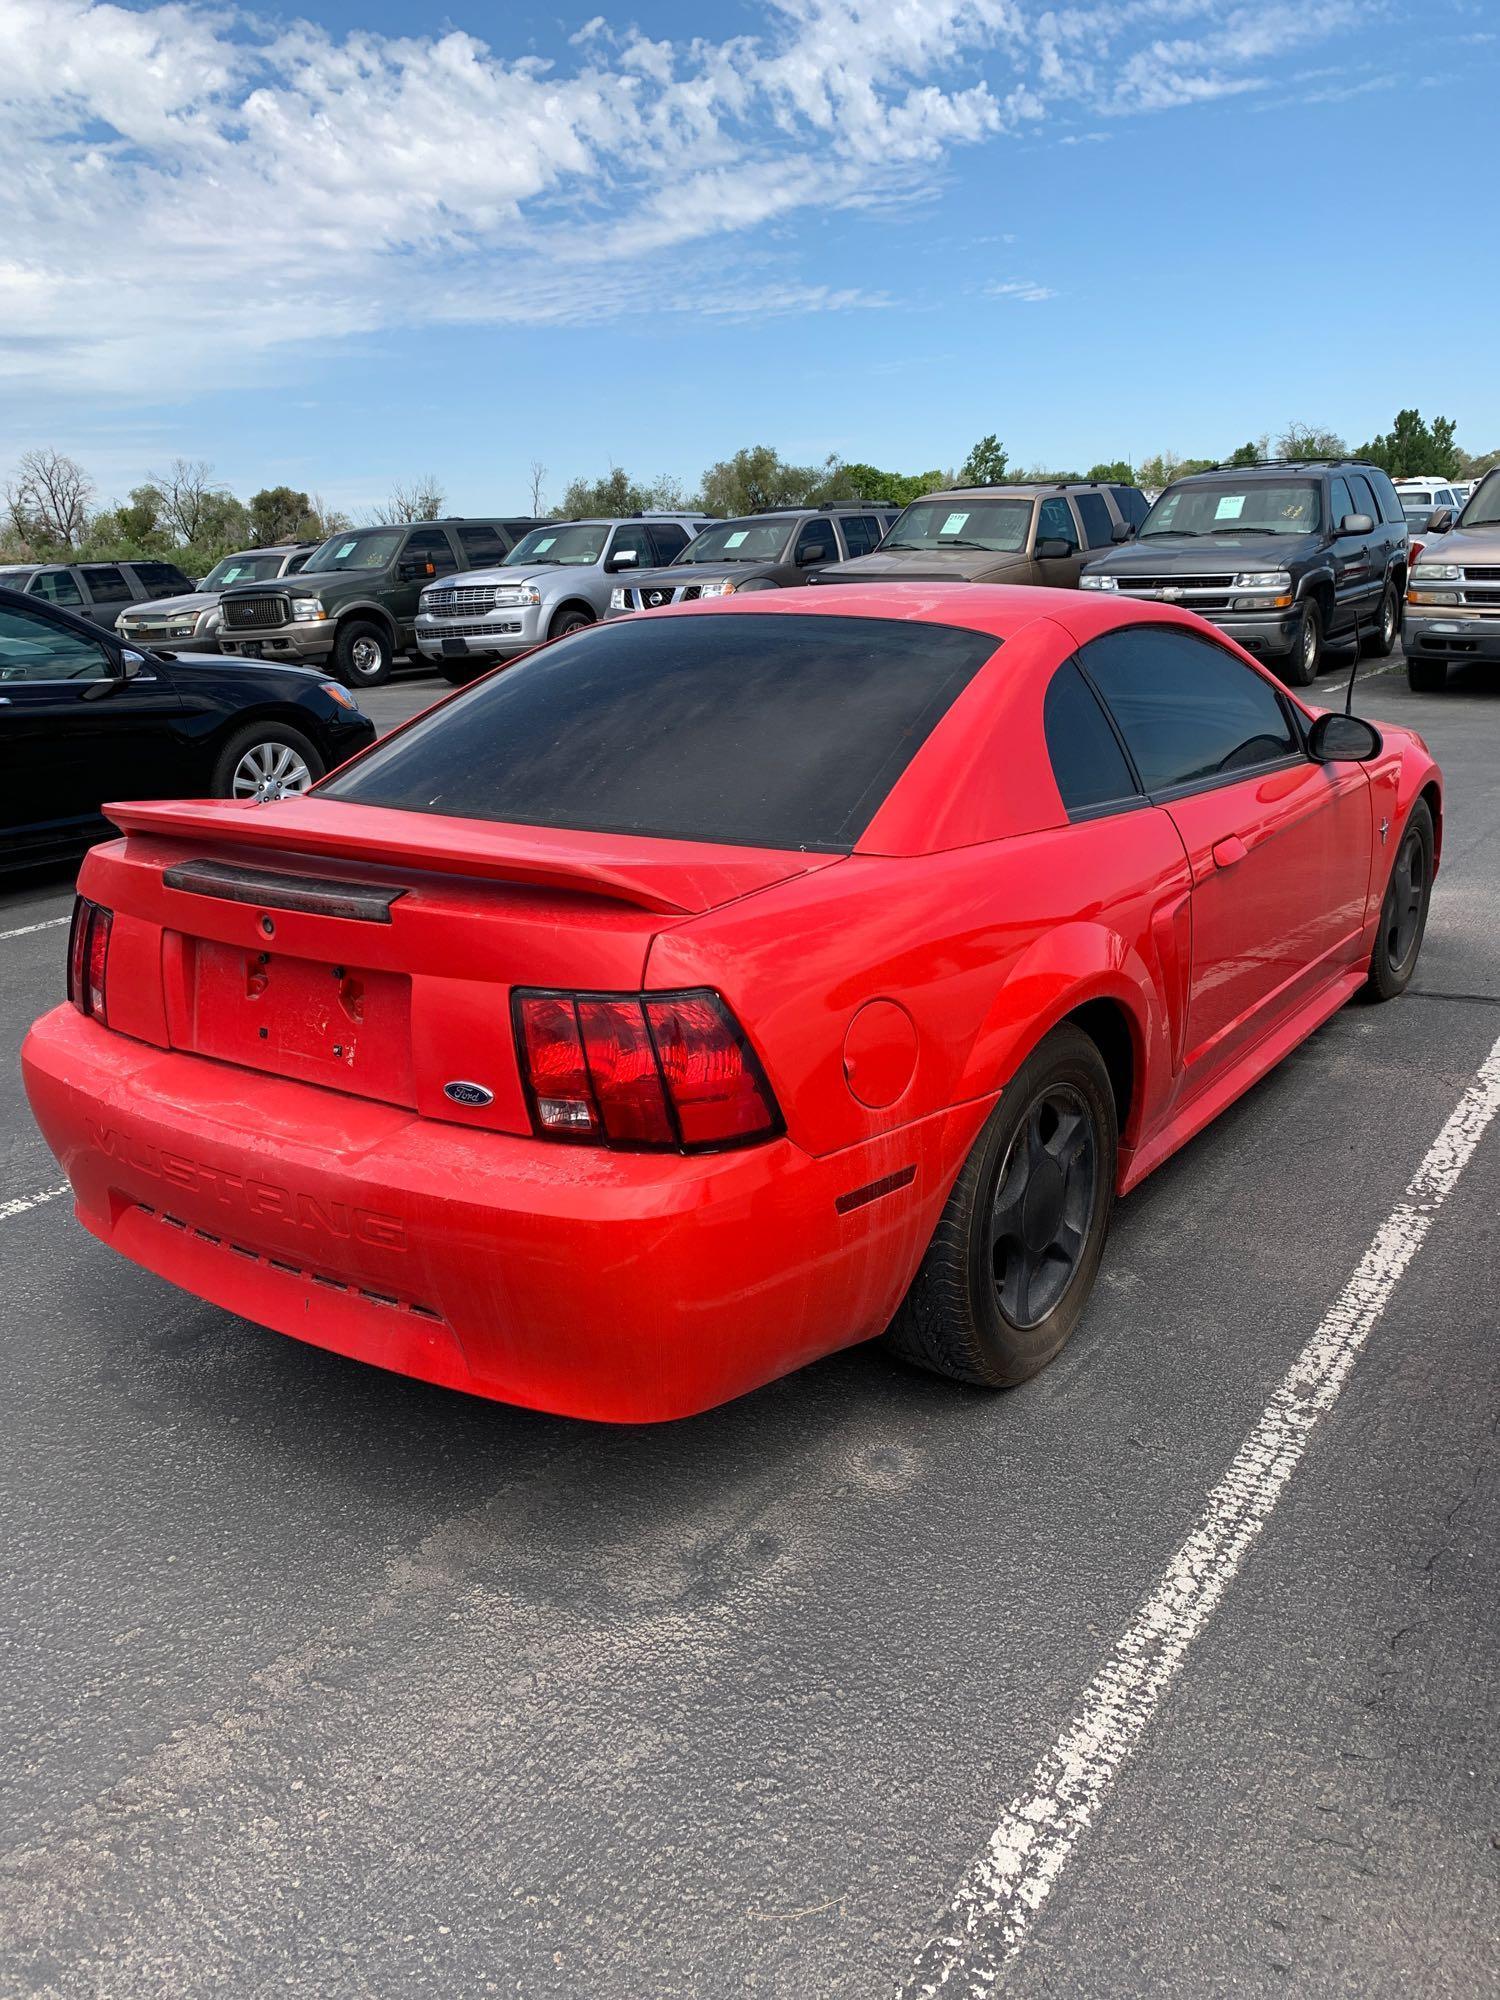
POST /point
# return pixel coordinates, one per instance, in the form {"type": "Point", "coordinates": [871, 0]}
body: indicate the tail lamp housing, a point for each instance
{"type": "Point", "coordinates": [88, 958]}
{"type": "Point", "coordinates": [657, 1071]}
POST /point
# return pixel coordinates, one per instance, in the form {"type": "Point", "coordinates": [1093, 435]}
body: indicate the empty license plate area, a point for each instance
{"type": "Point", "coordinates": [338, 1025]}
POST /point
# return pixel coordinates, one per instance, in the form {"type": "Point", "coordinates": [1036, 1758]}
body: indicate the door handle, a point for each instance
{"type": "Point", "coordinates": [1229, 851]}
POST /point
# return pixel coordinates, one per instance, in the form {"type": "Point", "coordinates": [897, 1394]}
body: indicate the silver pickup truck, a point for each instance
{"type": "Point", "coordinates": [1453, 596]}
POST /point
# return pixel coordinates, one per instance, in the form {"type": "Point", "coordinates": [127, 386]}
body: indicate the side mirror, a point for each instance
{"type": "Point", "coordinates": [1356, 524]}
{"type": "Point", "coordinates": [131, 663]}
{"type": "Point", "coordinates": [819, 552]}
{"type": "Point", "coordinates": [1054, 547]}
{"type": "Point", "coordinates": [1122, 531]}
{"type": "Point", "coordinates": [1440, 522]}
{"type": "Point", "coordinates": [1343, 739]}
{"type": "Point", "coordinates": [623, 559]}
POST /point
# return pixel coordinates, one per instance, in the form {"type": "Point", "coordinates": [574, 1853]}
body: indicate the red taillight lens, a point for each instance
{"type": "Point", "coordinates": [562, 1096]}
{"type": "Point", "coordinates": [713, 1080]}
{"type": "Point", "coordinates": [88, 957]}
{"type": "Point", "coordinates": [623, 1066]}
{"type": "Point", "coordinates": [670, 1069]}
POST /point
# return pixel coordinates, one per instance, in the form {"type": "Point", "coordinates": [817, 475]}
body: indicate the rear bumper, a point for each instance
{"type": "Point", "coordinates": [616, 1286]}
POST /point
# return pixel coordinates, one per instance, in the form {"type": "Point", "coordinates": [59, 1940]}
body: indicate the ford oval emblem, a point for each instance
{"type": "Point", "coordinates": [468, 1093]}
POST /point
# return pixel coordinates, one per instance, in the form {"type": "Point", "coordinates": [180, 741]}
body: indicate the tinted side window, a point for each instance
{"type": "Point", "coordinates": [431, 545]}
{"type": "Point", "coordinates": [1385, 493]}
{"type": "Point", "coordinates": [106, 584]}
{"type": "Point", "coordinates": [159, 579]}
{"type": "Point", "coordinates": [1340, 503]}
{"type": "Point", "coordinates": [668, 540]}
{"type": "Point", "coordinates": [33, 648]}
{"type": "Point", "coordinates": [1087, 760]}
{"type": "Point", "coordinates": [812, 536]}
{"type": "Point", "coordinates": [1098, 528]}
{"type": "Point", "coordinates": [633, 539]}
{"type": "Point", "coordinates": [1364, 499]}
{"type": "Point", "coordinates": [296, 562]}
{"type": "Point", "coordinates": [1189, 711]}
{"type": "Point", "coordinates": [781, 732]}
{"type": "Point", "coordinates": [1055, 523]}
{"type": "Point", "coordinates": [1132, 503]}
{"type": "Point", "coordinates": [861, 533]}
{"type": "Point", "coordinates": [56, 586]}
{"type": "Point", "coordinates": [481, 543]}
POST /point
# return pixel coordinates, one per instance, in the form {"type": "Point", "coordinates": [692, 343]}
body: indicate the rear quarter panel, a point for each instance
{"type": "Point", "coordinates": [984, 948]}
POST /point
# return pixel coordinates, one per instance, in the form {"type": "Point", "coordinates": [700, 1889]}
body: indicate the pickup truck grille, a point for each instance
{"type": "Point", "coordinates": [466, 601]}
{"type": "Point", "coordinates": [1483, 600]}
{"type": "Point", "coordinates": [1194, 591]}
{"type": "Point", "coordinates": [1476, 573]}
{"type": "Point", "coordinates": [256, 614]}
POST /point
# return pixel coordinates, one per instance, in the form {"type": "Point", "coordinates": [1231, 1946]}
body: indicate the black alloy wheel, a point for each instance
{"type": "Point", "coordinates": [1403, 913]}
{"type": "Point", "coordinates": [1043, 1206]}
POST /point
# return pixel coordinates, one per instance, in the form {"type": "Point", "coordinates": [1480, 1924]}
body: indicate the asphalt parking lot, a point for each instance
{"type": "Point", "coordinates": [320, 1680]}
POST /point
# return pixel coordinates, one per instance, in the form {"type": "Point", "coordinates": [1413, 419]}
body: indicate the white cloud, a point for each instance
{"type": "Point", "coordinates": [189, 190]}
{"type": "Point", "coordinates": [1025, 289]}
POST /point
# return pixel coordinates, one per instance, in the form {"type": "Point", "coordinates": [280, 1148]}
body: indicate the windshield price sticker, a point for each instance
{"type": "Point", "coordinates": [347, 550]}
{"type": "Point", "coordinates": [953, 525]}
{"type": "Point", "coordinates": [545, 543]}
{"type": "Point", "coordinates": [733, 541]}
{"type": "Point", "coordinates": [1230, 507]}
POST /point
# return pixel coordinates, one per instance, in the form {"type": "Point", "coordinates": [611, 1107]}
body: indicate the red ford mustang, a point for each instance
{"type": "Point", "coordinates": [718, 988]}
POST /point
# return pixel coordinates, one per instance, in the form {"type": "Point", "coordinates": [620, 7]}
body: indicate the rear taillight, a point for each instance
{"type": "Point", "coordinates": [88, 957]}
{"type": "Point", "coordinates": [641, 1069]}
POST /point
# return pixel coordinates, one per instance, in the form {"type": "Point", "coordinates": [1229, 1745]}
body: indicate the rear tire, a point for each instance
{"type": "Point", "coordinates": [1382, 641]}
{"type": "Point", "coordinates": [458, 673]}
{"type": "Point", "coordinates": [1303, 660]}
{"type": "Point", "coordinates": [1013, 1259]}
{"type": "Point", "coordinates": [1426, 676]}
{"type": "Point", "coordinates": [363, 654]}
{"type": "Point", "coordinates": [265, 760]}
{"type": "Point", "coordinates": [1403, 913]}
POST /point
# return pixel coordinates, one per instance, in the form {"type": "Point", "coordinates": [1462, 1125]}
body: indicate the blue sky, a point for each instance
{"type": "Point", "coordinates": [310, 246]}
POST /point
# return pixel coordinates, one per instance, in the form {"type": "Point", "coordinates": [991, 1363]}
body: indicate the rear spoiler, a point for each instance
{"type": "Point", "coordinates": [670, 877]}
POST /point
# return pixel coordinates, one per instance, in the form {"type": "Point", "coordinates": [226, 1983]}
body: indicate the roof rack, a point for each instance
{"type": "Point", "coordinates": [1281, 464]}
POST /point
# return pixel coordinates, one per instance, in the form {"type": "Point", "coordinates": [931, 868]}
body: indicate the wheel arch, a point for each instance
{"type": "Point", "coordinates": [571, 603]}
{"type": "Point", "coordinates": [372, 613]}
{"type": "Point", "coordinates": [1093, 978]}
{"type": "Point", "coordinates": [212, 744]}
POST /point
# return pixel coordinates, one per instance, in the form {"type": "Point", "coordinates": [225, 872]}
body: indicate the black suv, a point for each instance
{"type": "Point", "coordinates": [1281, 556]}
{"type": "Point", "coordinates": [767, 551]}
{"type": "Point", "coordinates": [98, 591]}
{"type": "Point", "coordinates": [354, 605]}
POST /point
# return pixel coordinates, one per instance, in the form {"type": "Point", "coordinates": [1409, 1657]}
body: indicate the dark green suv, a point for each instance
{"type": "Point", "coordinates": [354, 606]}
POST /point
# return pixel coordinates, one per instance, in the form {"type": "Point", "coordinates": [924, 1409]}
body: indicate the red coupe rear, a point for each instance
{"type": "Point", "coordinates": [718, 988]}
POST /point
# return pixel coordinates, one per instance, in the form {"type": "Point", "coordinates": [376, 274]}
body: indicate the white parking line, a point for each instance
{"type": "Point", "coordinates": [987, 1920]}
{"type": "Point", "coordinates": [25, 930]}
{"type": "Point", "coordinates": [22, 1202]}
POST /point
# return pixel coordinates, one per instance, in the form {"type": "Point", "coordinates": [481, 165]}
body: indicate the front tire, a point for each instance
{"type": "Point", "coordinates": [1013, 1259]}
{"type": "Point", "coordinates": [572, 618]}
{"type": "Point", "coordinates": [364, 655]}
{"type": "Point", "coordinates": [266, 760]}
{"type": "Point", "coordinates": [1403, 913]}
{"type": "Point", "coordinates": [1382, 641]}
{"type": "Point", "coordinates": [1426, 675]}
{"type": "Point", "coordinates": [1304, 659]}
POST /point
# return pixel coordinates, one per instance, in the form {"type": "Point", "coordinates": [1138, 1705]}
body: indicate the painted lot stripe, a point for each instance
{"type": "Point", "coordinates": [25, 930]}
{"type": "Point", "coordinates": [22, 1202]}
{"type": "Point", "coordinates": [994, 1906]}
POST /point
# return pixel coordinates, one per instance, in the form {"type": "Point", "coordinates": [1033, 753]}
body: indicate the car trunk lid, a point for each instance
{"type": "Point", "coordinates": [374, 951]}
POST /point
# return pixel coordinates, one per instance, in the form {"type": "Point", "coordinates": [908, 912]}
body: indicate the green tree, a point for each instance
{"type": "Point", "coordinates": [1308, 441]}
{"type": "Point", "coordinates": [1118, 472]}
{"type": "Point", "coordinates": [760, 477]}
{"type": "Point", "coordinates": [986, 463]}
{"type": "Point", "coordinates": [1160, 471]}
{"type": "Point", "coordinates": [1246, 454]}
{"type": "Point", "coordinates": [1411, 448]}
{"type": "Point", "coordinates": [281, 514]}
{"type": "Point", "coordinates": [615, 493]}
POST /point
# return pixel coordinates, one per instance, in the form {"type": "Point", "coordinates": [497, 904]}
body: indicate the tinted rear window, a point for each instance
{"type": "Point", "coordinates": [769, 731]}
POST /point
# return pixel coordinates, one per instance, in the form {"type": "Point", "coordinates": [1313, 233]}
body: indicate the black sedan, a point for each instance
{"type": "Point", "coordinates": [85, 718]}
